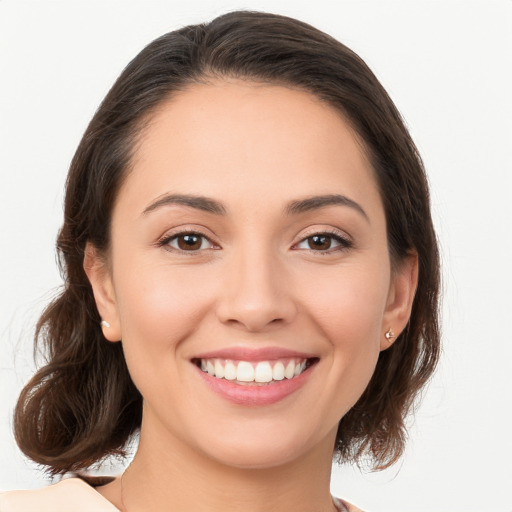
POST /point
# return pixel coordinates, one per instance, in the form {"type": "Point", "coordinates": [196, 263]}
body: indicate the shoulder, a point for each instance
{"type": "Point", "coordinates": [343, 506]}
{"type": "Point", "coordinates": [56, 498]}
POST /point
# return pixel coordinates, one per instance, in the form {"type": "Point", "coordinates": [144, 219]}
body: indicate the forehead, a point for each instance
{"type": "Point", "coordinates": [254, 139]}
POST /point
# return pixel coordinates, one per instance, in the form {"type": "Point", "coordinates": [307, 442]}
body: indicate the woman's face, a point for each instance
{"type": "Point", "coordinates": [249, 275]}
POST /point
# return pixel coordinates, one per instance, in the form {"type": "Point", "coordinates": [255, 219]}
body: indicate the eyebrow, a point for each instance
{"type": "Point", "coordinates": [316, 202]}
{"type": "Point", "coordinates": [198, 202]}
{"type": "Point", "coordinates": [210, 205]}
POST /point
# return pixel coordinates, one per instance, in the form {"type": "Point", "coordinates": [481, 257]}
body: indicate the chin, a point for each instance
{"type": "Point", "coordinates": [260, 451]}
{"type": "Point", "coordinates": [257, 458]}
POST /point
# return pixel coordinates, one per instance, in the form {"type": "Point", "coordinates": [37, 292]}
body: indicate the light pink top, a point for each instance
{"type": "Point", "coordinates": [68, 495]}
{"type": "Point", "coordinates": [73, 494]}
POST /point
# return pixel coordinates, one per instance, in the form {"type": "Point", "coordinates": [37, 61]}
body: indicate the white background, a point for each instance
{"type": "Point", "coordinates": [446, 64]}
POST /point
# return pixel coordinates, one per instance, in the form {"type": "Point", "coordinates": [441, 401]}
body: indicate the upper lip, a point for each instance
{"type": "Point", "coordinates": [254, 354]}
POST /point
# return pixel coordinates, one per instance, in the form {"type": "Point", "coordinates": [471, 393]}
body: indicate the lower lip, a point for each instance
{"type": "Point", "coordinates": [254, 394]}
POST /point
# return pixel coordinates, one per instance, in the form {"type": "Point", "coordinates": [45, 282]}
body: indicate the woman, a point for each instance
{"type": "Point", "coordinates": [251, 279]}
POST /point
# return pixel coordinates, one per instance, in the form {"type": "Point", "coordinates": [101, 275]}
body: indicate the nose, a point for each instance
{"type": "Point", "coordinates": [256, 294]}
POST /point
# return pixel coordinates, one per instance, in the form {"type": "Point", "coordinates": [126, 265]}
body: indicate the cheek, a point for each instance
{"type": "Point", "coordinates": [159, 307]}
{"type": "Point", "coordinates": [349, 312]}
{"type": "Point", "coordinates": [349, 304]}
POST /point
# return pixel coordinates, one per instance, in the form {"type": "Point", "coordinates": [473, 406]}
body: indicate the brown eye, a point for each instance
{"type": "Point", "coordinates": [190, 242]}
{"type": "Point", "coordinates": [319, 242]}
{"type": "Point", "coordinates": [324, 243]}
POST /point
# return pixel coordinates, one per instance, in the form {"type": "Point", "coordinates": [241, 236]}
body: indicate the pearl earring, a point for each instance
{"type": "Point", "coordinates": [104, 323]}
{"type": "Point", "coordinates": [390, 335]}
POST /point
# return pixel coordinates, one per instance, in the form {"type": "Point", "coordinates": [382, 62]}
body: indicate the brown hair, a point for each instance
{"type": "Point", "coordinates": [83, 406]}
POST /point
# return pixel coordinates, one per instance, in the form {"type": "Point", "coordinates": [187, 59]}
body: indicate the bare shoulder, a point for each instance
{"type": "Point", "coordinates": [59, 497]}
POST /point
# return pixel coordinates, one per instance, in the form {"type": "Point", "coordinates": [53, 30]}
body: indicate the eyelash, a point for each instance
{"type": "Point", "coordinates": [344, 242]}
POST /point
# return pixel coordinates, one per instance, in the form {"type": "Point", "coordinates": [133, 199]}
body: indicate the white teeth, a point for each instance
{"type": "Point", "coordinates": [219, 369]}
{"type": "Point", "coordinates": [230, 371]}
{"type": "Point", "coordinates": [245, 372]}
{"type": "Point", "coordinates": [261, 372]}
{"type": "Point", "coordinates": [278, 371]}
{"type": "Point", "coordinates": [290, 370]}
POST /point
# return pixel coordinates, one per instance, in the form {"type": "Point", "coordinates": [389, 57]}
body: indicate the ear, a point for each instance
{"type": "Point", "coordinates": [404, 280]}
{"type": "Point", "coordinates": [104, 294]}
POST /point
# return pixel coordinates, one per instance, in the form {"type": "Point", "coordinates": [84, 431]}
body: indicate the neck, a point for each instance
{"type": "Point", "coordinates": [168, 475]}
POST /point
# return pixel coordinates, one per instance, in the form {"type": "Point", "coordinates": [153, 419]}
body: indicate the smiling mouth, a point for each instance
{"type": "Point", "coordinates": [255, 372]}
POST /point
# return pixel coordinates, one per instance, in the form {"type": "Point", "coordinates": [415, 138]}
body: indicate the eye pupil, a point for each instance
{"type": "Point", "coordinates": [319, 242]}
{"type": "Point", "coordinates": [188, 242]}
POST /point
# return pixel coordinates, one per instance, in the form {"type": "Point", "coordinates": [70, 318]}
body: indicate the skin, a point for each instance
{"type": "Point", "coordinates": [254, 148]}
